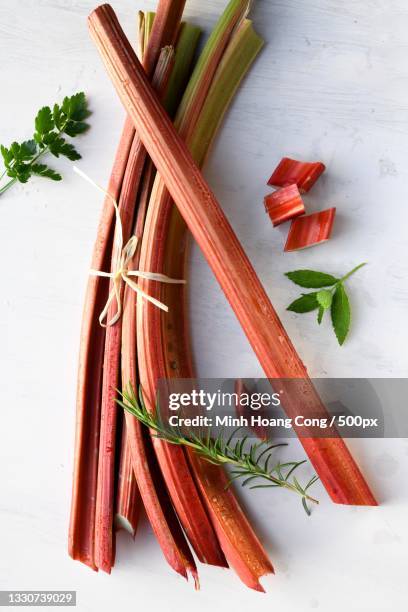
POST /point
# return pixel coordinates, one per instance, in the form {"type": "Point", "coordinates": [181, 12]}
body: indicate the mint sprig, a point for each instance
{"type": "Point", "coordinates": [331, 296]}
{"type": "Point", "coordinates": [20, 159]}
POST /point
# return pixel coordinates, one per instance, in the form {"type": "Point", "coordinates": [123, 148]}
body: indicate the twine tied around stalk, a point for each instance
{"type": "Point", "coordinates": [121, 273]}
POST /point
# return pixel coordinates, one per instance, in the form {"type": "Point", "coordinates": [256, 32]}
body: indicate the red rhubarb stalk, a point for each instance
{"type": "Point", "coordinates": [190, 509]}
{"type": "Point", "coordinates": [240, 545]}
{"type": "Point", "coordinates": [284, 204]}
{"type": "Point", "coordinates": [127, 486]}
{"type": "Point", "coordinates": [82, 519]}
{"type": "Point", "coordinates": [184, 54]}
{"type": "Point", "coordinates": [151, 363]}
{"type": "Point", "coordinates": [171, 348]}
{"type": "Point", "coordinates": [172, 459]}
{"type": "Point", "coordinates": [193, 518]}
{"type": "Point", "coordinates": [214, 235]}
{"type": "Point", "coordinates": [150, 482]}
{"type": "Point", "coordinates": [104, 542]}
{"type": "Point", "coordinates": [128, 500]}
{"type": "Point", "coordinates": [104, 549]}
{"type": "Point", "coordinates": [303, 174]}
{"type": "Point", "coordinates": [309, 230]}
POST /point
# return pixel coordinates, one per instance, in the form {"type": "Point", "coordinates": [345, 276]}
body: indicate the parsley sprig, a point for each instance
{"type": "Point", "coordinates": [334, 299]}
{"type": "Point", "coordinates": [21, 159]}
{"type": "Point", "coordinates": [251, 463]}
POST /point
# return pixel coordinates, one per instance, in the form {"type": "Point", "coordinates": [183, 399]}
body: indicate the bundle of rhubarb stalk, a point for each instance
{"type": "Point", "coordinates": [175, 105]}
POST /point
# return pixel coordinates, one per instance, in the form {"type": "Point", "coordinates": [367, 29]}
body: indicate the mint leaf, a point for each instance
{"type": "Point", "coordinates": [311, 279]}
{"type": "Point", "coordinates": [45, 171]}
{"type": "Point", "coordinates": [340, 314]}
{"type": "Point", "coordinates": [44, 122]}
{"type": "Point", "coordinates": [306, 303]}
{"type": "Point", "coordinates": [324, 297]}
{"type": "Point", "coordinates": [334, 299]}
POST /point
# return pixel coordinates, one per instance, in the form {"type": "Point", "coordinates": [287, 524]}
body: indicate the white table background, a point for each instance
{"type": "Point", "coordinates": [331, 84]}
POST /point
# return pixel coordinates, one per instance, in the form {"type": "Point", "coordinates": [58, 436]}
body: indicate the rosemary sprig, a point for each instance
{"type": "Point", "coordinates": [251, 462]}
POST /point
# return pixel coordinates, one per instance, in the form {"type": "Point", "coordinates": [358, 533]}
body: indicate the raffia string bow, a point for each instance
{"type": "Point", "coordinates": [121, 273]}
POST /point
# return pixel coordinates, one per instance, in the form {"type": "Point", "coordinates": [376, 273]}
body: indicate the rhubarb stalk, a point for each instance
{"type": "Point", "coordinates": [104, 542]}
{"type": "Point", "coordinates": [149, 479]}
{"type": "Point", "coordinates": [190, 508]}
{"type": "Point", "coordinates": [238, 541]}
{"type": "Point", "coordinates": [214, 235]}
{"type": "Point", "coordinates": [234, 63]}
{"type": "Point", "coordinates": [127, 493]}
{"type": "Point", "coordinates": [151, 485]}
{"type": "Point", "coordinates": [128, 500]}
{"type": "Point", "coordinates": [82, 519]}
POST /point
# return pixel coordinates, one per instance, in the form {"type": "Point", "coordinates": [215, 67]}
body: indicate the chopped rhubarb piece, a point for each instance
{"type": "Point", "coordinates": [310, 230]}
{"type": "Point", "coordinates": [284, 204]}
{"type": "Point", "coordinates": [302, 174]}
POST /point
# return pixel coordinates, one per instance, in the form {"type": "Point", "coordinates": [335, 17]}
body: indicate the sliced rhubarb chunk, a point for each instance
{"type": "Point", "coordinates": [310, 230]}
{"type": "Point", "coordinates": [303, 174]}
{"type": "Point", "coordinates": [284, 204]}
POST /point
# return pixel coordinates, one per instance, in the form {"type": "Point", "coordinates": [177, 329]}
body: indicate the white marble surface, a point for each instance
{"type": "Point", "coordinates": [331, 84]}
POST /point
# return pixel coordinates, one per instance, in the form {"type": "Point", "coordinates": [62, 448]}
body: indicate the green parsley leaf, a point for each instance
{"type": "Point", "coordinates": [7, 155]}
{"type": "Point", "coordinates": [320, 314]}
{"type": "Point", "coordinates": [60, 147]}
{"type": "Point", "coordinates": [20, 159]}
{"type": "Point", "coordinates": [76, 107]}
{"type": "Point", "coordinates": [57, 115]}
{"type": "Point", "coordinates": [311, 279]}
{"type": "Point", "coordinates": [340, 313]}
{"type": "Point", "coordinates": [28, 149]}
{"type": "Point", "coordinates": [47, 139]}
{"type": "Point", "coordinates": [46, 171]}
{"type": "Point", "coordinates": [44, 122]}
{"type": "Point", "coordinates": [15, 150]}
{"type": "Point", "coordinates": [73, 128]}
{"type": "Point", "coordinates": [22, 172]}
{"type": "Point", "coordinates": [306, 303]}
